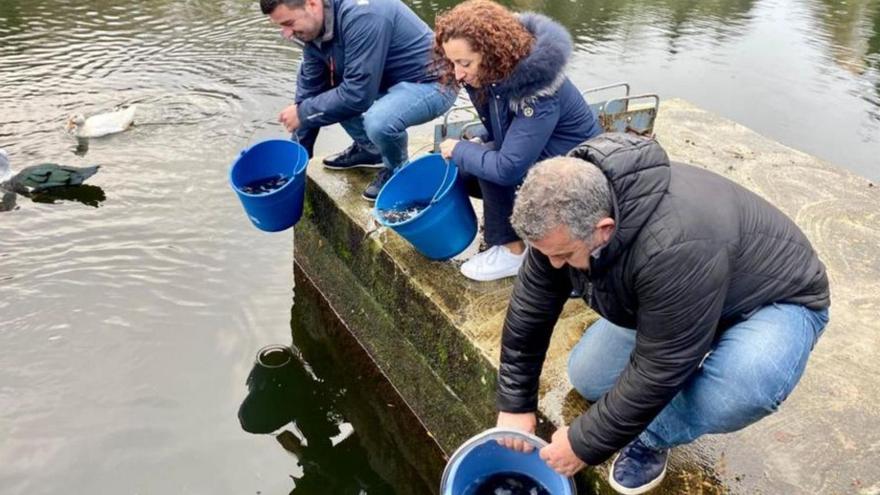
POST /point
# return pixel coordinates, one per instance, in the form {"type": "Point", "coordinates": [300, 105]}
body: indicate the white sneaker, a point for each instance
{"type": "Point", "coordinates": [492, 264]}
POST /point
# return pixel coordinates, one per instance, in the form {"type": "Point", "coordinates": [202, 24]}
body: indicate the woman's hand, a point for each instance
{"type": "Point", "coordinates": [446, 148]}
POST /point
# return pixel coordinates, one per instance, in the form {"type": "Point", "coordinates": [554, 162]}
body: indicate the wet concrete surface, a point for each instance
{"type": "Point", "coordinates": [436, 335]}
{"type": "Point", "coordinates": [825, 438]}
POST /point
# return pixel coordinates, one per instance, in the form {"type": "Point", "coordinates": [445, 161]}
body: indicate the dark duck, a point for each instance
{"type": "Point", "coordinates": [37, 180]}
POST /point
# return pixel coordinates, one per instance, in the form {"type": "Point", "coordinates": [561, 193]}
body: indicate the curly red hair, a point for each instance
{"type": "Point", "coordinates": [491, 30]}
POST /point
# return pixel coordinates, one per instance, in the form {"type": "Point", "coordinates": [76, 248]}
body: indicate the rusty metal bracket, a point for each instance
{"type": "Point", "coordinates": [454, 130]}
{"type": "Point", "coordinates": [614, 114]}
{"type": "Point", "coordinates": [603, 106]}
{"type": "Point", "coordinates": [639, 120]}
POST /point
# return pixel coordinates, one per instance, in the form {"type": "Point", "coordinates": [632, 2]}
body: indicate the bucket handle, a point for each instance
{"type": "Point", "coordinates": [435, 197]}
{"type": "Point", "coordinates": [261, 125]}
{"type": "Point", "coordinates": [293, 136]}
{"type": "Point", "coordinates": [537, 442]}
{"type": "Point", "coordinates": [250, 137]}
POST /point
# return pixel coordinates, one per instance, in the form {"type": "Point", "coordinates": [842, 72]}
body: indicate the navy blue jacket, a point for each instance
{"type": "Point", "coordinates": [366, 47]}
{"type": "Point", "coordinates": [534, 114]}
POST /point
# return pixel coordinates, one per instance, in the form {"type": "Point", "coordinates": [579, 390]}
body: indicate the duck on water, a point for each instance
{"type": "Point", "coordinates": [38, 179]}
{"type": "Point", "coordinates": [101, 124]}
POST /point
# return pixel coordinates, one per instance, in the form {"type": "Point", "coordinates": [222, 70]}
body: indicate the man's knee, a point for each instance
{"type": "Point", "coordinates": [380, 126]}
{"type": "Point", "coordinates": [583, 378]}
{"type": "Point", "coordinates": [599, 357]}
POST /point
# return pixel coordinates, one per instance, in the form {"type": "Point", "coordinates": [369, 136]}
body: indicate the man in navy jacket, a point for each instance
{"type": "Point", "coordinates": [366, 65]}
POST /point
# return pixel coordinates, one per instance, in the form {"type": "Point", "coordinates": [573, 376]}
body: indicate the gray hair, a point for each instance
{"type": "Point", "coordinates": [268, 6]}
{"type": "Point", "coordinates": [561, 191]}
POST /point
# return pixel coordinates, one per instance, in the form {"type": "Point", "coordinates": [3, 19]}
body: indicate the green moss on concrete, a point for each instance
{"type": "Point", "coordinates": [414, 344]}
{"type": "Point", "coordinates": [407, 456]}
{"type": "Point", "coordinates": [307, 206]}
{"type": "Point", "coordinates": [417, 319]}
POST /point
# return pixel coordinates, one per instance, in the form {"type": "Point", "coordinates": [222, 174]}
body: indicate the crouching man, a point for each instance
{"type": "Point", "coordinates": [710, 298]}
{"type": "Point", "coordinates": [367, 65]}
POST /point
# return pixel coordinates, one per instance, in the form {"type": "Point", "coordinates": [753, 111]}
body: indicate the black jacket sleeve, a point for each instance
{"type": "Point", "coordinates": [680, 293]}
{"type": "Point", "coordinates": [538, 296]}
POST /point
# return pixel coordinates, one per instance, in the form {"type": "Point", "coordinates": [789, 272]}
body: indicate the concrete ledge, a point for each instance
{"type": "Point", "coordinates": [436, 335]}
{"type": "Point", "coordinates": [392, 436]}
{"type": "Point", "coordinates": [434, 367]}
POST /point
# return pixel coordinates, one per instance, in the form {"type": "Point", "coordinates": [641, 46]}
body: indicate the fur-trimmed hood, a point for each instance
{"type": "Point", "coordinates": [550, 114]}
{"type": "Point", "coordinates": [541, 72]}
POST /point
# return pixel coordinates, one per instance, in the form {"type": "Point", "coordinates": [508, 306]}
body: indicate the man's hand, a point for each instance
{"type": "Point", "coordinates": [446, 148]}
{"type": "Point", "coordinates": [517, 421]}
{"type": "Point", "coordinates": [289, 118]}
{"type": "Point", "coordinates": [560, 456]}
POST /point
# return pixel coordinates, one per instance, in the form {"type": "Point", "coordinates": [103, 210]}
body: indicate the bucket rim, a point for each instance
{"type": "Point", "coordinates": [297, 171]}
{"type": "Point", "coordinates": [265, 350]}
{"type": "Point", "coordinates": [449, 164]}
{"type": "Point", "coordinates": [487, 436]}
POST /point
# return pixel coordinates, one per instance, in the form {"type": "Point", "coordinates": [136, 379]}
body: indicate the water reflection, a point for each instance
{"type": "Point", "coordinates": [86, 194]}
{"type": "Point", "coordinates": [851, 30]}
{"type": "Point", "coordinates": [843, 26]}
{"type": "Point", "coordinates": [105, 309]}
{"type": "Point", "coordinates": [631, 23]}
{"type": "Point", "coordinates": [344, 423]}
{"type": "Point", "coordinates": [398, 448]}
{"type": "Point", "coordinates": [7, 200]}
{"type": "Point", "coordinates": [102, 308]}
{"type": "Point", "coordinates": [283, 391]}
{"type": "Point", "coordinates": [772, 65]}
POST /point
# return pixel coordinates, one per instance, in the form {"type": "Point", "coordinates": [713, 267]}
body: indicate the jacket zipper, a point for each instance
{"type": "Point", "coordinates": [497, 117]}
{"type": "Point", "coordinates": [332, 72]}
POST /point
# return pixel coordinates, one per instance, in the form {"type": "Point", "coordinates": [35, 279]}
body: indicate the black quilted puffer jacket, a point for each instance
{"type": "Point", "coordinates": [692, 253]}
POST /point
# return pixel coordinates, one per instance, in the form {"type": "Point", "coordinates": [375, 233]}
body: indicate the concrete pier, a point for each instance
{"type": "Point", "coordinates": [436, 335]}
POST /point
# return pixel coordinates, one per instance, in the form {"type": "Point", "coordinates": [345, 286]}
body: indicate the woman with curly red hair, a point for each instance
{"type": "Point", "coordinates": [512, 68]}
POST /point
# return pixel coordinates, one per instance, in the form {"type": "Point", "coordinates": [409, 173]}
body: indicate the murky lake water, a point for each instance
{"type": "Point", "coordinates": [127, 330]}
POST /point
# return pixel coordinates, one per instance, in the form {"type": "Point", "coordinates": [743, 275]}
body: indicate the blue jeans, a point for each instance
{"type": "Point", "coordinates": [747, 374]}
{"type": "Point", "coordinates": [382, 128]}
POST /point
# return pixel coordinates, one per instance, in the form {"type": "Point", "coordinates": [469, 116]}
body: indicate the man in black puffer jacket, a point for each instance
{"type": "Point", "coordinates": [711, 300]}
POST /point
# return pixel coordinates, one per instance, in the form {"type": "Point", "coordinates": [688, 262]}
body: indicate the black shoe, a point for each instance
{"type": "Point", "coordinates": [373, 189]}
{"type": "Point", "coordinates": [353, 157]}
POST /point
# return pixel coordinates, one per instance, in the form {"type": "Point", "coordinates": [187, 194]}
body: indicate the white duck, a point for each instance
{"type": "Point", "coordinates": [101, 124]}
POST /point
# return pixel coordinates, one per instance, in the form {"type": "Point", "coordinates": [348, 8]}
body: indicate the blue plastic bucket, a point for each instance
{"type": "Point", "coordinates": [448, 224]}
{"type": "Point", "coordinates": [482, 456]}
{"type": "Point", "coordinates": [276, 210]}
